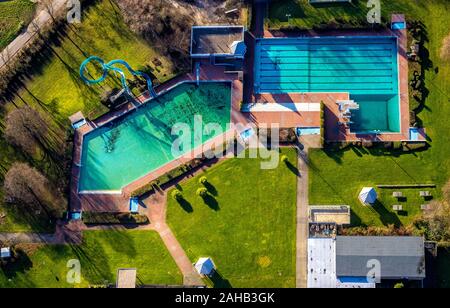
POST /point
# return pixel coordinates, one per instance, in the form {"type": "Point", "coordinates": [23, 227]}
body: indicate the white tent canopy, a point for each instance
{"type": "Point", "coordinates": [368, 195]}
{"type": "Point", "coordinates": [205, 266]}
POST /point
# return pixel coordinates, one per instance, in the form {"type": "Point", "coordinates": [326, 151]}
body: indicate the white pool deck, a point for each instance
{"type": "Point", "coordinates": [281, 107]}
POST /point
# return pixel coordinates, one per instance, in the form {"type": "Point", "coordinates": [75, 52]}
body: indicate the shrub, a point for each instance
{"type": "Point", "coordinates": [399, 285]}
{"type": "Point", "coordinates": [169, 176]}
{"type": "Point", "coordinates": [202, 192]}
{"type": "Point", "coordinates": [414, 146]}
{"type": "Point", "coordinates": [203, 180]}
{"type": "Point", "coordinates": [109, 218]}
{"type": "Point", "coordinates": [177, 195]}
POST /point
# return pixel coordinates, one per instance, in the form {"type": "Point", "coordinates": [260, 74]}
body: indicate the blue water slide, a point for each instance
{"type": "Point", "coordinates": [112, 66]}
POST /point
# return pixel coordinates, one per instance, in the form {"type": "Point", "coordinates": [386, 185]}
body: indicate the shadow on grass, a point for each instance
{"type": "Point", "coordinates": [185, 205]}
{"type": "Point", "coordinates": [386, 217]}
{"type": "Point", "coordinates": [211, 189]}
{"type": "Point", "coordinates": [292, 168]}
{"type": "Point", "coordinates": [21, 263]}
{"type": "Point", "coordinates": [211, 202]}
{"type": "Point", "coordinates": [218, 281]}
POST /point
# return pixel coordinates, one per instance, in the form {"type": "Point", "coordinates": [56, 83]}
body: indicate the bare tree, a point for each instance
{"type": "Point", "coordinates": [438, 221]}
{"type": "Point", "coordinates": [49, 8]}
{"type": "Point", "coordinates": [25, 186]}
{"type": "Point", "coordinates": [25, 128]}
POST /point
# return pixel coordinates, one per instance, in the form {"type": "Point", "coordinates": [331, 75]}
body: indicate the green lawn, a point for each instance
{"type": "Point", "coordinates": [337, 176]}
{"type": "Point", "coordinates": [100, 255]}
{"type": "Point", "coordinates": [247, 226]}
{"type": "Point", "coordinates": [306, 16]}
{"type": "Point", "coordinates": [14, 15]}
{"type": "Point", "coordinates": [55, 88]}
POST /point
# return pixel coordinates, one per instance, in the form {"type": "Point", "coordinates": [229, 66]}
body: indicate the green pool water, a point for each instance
{"type": "Point", "coordinates": [141, 141]}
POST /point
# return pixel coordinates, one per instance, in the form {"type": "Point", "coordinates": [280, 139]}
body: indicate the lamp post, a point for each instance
{"type": "Point", "coordinates": [289, 18]}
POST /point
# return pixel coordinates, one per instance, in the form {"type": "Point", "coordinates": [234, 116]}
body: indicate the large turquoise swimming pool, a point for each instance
{"type": "Point", "coordinates": [139, 142]}
{"type": "Point", "coordinates": [365, 67]}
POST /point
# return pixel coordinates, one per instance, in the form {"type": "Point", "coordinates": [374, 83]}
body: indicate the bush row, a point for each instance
{"type": "Point", "coordinates": [179, 171]}
{"type": "Point", "coordinates": [169, 176]}
{"type": "Point", "coordinates": [108, 218]}
{"type": "Point", "coordinates": [405, 146]}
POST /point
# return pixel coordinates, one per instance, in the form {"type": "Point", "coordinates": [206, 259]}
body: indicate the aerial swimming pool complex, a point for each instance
{"type": "Point", "coordinates": [129, 147]}
{"type": "Point", "coordinates": [364, 67]}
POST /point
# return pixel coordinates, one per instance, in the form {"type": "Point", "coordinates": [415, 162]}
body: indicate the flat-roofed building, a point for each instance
{"type": "Point", "coordinates": [352, 261]}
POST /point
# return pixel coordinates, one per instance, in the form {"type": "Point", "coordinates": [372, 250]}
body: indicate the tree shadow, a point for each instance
{"type": "Point", "coordinates": [292, 168]}
{"type": "Point", "coordinates": [185, 205]}
{"type": "Point", "coordinates": [21, 263]}
{"type": "Point", "coordinates": [211, 202]}
{"type": "Point", "coordinates": [211, 189]}
{"type": "Point", "coordinates": [386, 217]}
{"type": "Point", "coordinates": [218, 281]}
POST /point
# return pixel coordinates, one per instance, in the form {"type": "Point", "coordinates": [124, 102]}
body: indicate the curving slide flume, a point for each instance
{"type": "Point", "coordinates": [112, 66]}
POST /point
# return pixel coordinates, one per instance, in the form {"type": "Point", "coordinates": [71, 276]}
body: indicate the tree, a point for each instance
{"type": "Point", "coordinates": [437, 219]}
{"type": "Point", "coordinates": [49, 8]}
{"type": "Point", "coordinates": [202, 192]}
{"type": "Point", "coordinates": [177, 195]}
{"type": "Point", "coordinates": [25, 128]}
{"type": "Point", "coordinates": [25, 186]}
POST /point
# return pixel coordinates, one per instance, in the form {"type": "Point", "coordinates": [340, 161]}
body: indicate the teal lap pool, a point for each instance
{"type": "Point", "coordinates": [364, 67]}
{"type": "Point", "coordinates": [140, 142]}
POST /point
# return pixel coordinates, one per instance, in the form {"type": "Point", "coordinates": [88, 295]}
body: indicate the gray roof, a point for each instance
{"type": "Point", "coordinates": [206, 40]}
{"type": "Point", "coordinates": [399, 257]}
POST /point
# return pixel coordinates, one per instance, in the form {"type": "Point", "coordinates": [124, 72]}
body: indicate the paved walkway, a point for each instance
{"type": "Point", "coordinates": [156, 211]}
{"type": "Point", "coordinates": [306, 143]}
{"type": "Point", "coordinates": [42, 18]}
{"type": "Point", "coordinates": [65, 233]}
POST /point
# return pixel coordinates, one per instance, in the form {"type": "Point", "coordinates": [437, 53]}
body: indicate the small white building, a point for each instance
{"type": "Point", "coordinates": [368, 196]}
{"type": "Point", "coordinates": [5, 253]}
{"type": "Point", "coordinates": [205, 266]}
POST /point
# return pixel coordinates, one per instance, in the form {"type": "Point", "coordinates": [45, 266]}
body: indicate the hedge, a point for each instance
{"type": "Point", "coordinates": [169, 176]}
{"type": "Point", "coordinates": [109, 218]}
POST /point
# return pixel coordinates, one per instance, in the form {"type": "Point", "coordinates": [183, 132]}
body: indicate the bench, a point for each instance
{"type": "Point", "coordinates": [425, 194]}
{"type": "Point", "coordinates": [397, 207]}
{"type": "Point", "coordinates": [397, 194]}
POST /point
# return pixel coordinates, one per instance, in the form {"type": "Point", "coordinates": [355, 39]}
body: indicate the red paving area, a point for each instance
{"type": "Point", "coordinates": [242, 91]}
{"type": "Point", "coordinates": [106, 202]}
{"type": "Point", "coordinates": [334, 131]}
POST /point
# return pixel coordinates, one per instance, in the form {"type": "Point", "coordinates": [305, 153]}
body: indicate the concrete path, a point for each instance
{"type": "Point", "coordinates": [306, 143]}
{"type": "Point", "coordinates": [42, 18]}
{"type": "Point", "coordinates": [156, 206]}
{"type": "Point", "coordinates": [65, 233]}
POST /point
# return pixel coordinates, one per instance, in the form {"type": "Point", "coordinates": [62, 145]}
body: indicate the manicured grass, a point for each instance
{"type": "Point", "coordinates": [306, 16]}
{"type": "Point", "coordinates": [100, 255]}
{"type": "Point", "coordinates": [247, 224]}
{"type": "Point", "coordinates": [54, 87]}
{"type": "Point", "coordinates": [14, 15]}
{"type": "Point", "coordinates": [337, 176]}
